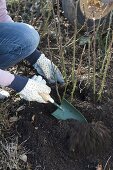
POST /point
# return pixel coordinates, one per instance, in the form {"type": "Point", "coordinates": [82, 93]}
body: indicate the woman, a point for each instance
{"type": "Point", "coordinates": [19, 41]}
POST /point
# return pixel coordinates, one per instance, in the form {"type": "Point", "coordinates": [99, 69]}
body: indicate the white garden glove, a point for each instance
{"type": "Point", "coordinates": [38, 79]}
{"type": "Point", "coordinates": [49, 70]}
{"type": "Point", "coordinates": [4, 94]}
{"type": "Point", "coordinates": [33, 88]}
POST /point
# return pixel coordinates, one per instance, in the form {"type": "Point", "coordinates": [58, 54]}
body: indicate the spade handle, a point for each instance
{"type": "Point", "coordinates": [46, 97]}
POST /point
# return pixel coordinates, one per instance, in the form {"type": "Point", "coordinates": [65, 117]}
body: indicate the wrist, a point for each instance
{"type": "Point", "coordinates": [18, 83]}
{"type": "Point", "coordinates": [34, 57]}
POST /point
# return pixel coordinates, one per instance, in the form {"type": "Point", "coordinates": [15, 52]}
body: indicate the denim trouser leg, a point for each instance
{"type": "Point", "coordinates": [17, 41]}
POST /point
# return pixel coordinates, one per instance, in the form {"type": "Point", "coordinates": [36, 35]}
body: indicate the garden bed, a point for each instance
{"type": "Point", "coordinates": [45, 138]}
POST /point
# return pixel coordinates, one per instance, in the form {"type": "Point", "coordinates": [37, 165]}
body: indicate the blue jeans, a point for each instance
{"type": "Point", "coordinates": [17, 41]}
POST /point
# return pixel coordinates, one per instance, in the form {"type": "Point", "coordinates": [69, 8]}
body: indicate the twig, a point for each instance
{"type": "Point", "coordinates": [108, 57]}
{"type": "Point", "coordinates": [74, 80]}
{"type": "Point", "coordinates": [107, 163]}
{"type": "Point", "coordinates": [106, 45]}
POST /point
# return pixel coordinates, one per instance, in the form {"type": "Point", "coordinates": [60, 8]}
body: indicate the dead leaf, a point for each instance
{"type": "Point", "coordinates": [33, 118]}
{"type": "Point", "coordinates": [13, 119]}
{"type": "Point", "coordinates": [20, 108]}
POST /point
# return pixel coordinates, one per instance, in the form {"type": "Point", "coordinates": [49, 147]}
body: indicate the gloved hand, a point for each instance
{"type": "Point", "coordinates": [33, 88]}
{"type": "Point", "coordinates": [48, 69]}
{"type": "Point", "coordinates": [38, 79]}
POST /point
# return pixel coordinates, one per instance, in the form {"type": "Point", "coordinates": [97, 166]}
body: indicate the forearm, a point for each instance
{"type": "Point", "coordinates": [4, 17]}
{"type": "Point", "coordinates": [6, 78]}
{"type": "Point", "coordinates": [12, 81]}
